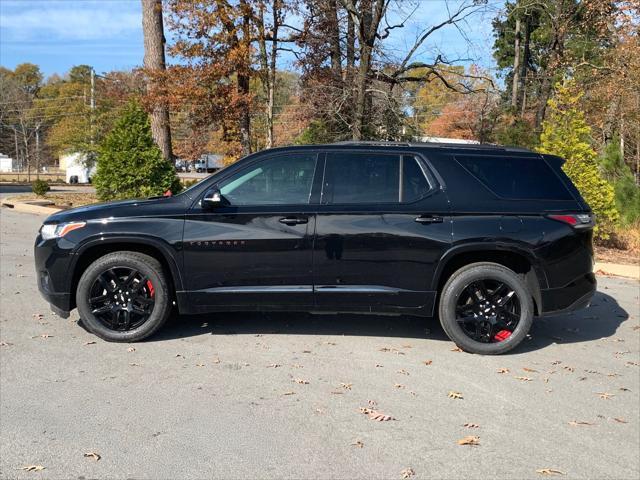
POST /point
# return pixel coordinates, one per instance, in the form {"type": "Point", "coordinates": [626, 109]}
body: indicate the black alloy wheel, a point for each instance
{"type": "Point", "coordinates": [122, 298]}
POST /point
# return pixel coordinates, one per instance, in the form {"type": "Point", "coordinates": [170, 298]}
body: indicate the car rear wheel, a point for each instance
{"type": "Point", "coordinates": [486, 308]}
{"type": "Point", "coordinates": [123, 297]}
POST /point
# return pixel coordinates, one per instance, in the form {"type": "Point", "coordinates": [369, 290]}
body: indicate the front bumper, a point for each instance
{"type": "Point", "coordinates": [53, 260]}
{"type": "Point", "coordinates": [573, 296]}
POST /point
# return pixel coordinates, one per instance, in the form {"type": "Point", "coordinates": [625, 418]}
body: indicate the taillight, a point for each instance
{"type": "Point", "coordinates": [576, 220]}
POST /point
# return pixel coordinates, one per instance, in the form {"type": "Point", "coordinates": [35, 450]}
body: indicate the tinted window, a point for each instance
{"type": "Point", "coordinates": [280, 180]}
{"type": "Point", "coordinates": [516, 177]}
{"type": "Point", "coordinates": [361, 178]}
{"type": "Point", "coordinates": [414, 182]}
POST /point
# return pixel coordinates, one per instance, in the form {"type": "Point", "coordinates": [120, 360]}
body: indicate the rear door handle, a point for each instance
{"type": "Point", "coordinates": [294, 220]}
{"type": "Point", "coordinates": [429, 219]}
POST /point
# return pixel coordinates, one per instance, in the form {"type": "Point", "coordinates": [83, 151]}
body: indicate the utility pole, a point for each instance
{"type": "Point", "coordinates": [516, 63]}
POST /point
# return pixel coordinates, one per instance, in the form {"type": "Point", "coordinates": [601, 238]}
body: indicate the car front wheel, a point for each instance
{"type": "Point", "coordinates": [486, 308]}
{"type": "Point", "coordinates": [123, 297]}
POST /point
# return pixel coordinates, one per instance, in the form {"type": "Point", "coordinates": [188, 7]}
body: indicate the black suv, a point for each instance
{"type": "Point", "coordinates": [484, 237]}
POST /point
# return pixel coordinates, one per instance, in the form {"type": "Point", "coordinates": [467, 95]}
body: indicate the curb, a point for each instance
{"type": "Point", "coordinates": [618, 270]}
{"type": "Point", "coordinates": [27, 207]}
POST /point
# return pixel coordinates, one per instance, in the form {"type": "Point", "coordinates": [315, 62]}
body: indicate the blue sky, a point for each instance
{"type": "Point", "coordinates": [58, 34]}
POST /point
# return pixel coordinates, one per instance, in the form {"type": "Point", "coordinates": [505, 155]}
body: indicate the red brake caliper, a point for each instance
{"type": "Point", "coordinates": [502, 335]}
{"type": "Point", "coordinates": [150, 288]}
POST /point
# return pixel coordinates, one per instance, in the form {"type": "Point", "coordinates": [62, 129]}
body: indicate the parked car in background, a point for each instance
{"type": "Point", "coordinates": [483, 237]}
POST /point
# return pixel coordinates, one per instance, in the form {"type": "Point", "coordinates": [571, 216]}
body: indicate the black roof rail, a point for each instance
{"type": "Point", "coordinates": [489, 146]}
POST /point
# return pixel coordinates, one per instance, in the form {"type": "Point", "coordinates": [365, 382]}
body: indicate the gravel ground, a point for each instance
{"type": "Point", "coordinates": [226, 396]}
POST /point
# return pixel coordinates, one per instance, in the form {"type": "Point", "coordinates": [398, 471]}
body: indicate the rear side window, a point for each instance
{"type": "Point", "coordinates": [360, 178]}
{"type": "Point", "coordinates": [522, 178]}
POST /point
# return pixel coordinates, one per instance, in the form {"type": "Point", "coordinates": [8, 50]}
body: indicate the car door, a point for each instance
{"type": "Point", "coordinates": [255, 247]}
{"type": "Point", "coordinates": [381, 227]}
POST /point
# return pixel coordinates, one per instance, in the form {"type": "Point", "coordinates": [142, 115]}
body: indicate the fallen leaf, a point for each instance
{"type": "Point", "coordinates": [301, 381]}
{"type": "Point", "coordinates": [407, 473]}
{"type": "Point", "coordinates": [503, 370]}
{"type": "Point", "coordinates": [523, 379]}
{"type": "Point", "coordinates": [569, 369]}
{"type": "Point", "coordinates": [5, 344]}
{"type": "Point", "coordinates": [44, 335]}
{"type": "Point", "coordinates": [330, 343]}
{"type": "Point", "coordinates": [576, 423]}
{"type": "Point", "coordinates": [407, 346]}
{"type": "Point", "coordinates": [633, 364]}
{"type": "Point", "coordinates": [215, 360]}
{"type": "Point", "coordinates": [131, 349]}
{"type": "Point", "coordinates": [402, 372]}
{"type": "Point", "coordinates": [289, 393]}
{"type": "Point", "coordinates": [297, 365]}
{"type": "Point", "coordinates": [556, 362]}
{"type": "Point", "coordinates": [306, 351]}
{"type": "Point", "coordinates": [199, 364]}
{"type": "Point", "coordinates": [549, 471]}
{"type": "Point", "coordinates": [427, 362]}
{"type": "Point", "coordinates": [469, 440]}
{"type": "Point", "coordinates": [471, 425]}
{"type": "Point", "coordinates": [346, 386]}
{"type": "Point", "coordinates": [529, 370]}
{"type": "Point", "coordinates": [455, 395]}
{"type": "Point", "coordinates": [399, 385]}
{"type": "Point", "coordinates": [32, 468]}
{"type": "Point", "coordinates": [90, 343]}
{"type": "Point", "coordinates": [379, 365]}
{"type": "Point", "coordinates": [620, 420]}
{"type": "Point", "coordinates": [624, 389]}
{"type": "Point", "coordinates": [134, 365]}
{"type": "Point", "coordinates": [274, 365]}
{"type": "Point", "coordinates": [605, 395]}
{"type": "Point", "coordinates": [93, 455]}
{"type": "Point", "coordinates": [358, 444]}
{"type": "Point", "coordinates": [376, 415]}
{"type": "Point", "coordinates": [457, 349]}
{"type": "Point", "coordinates": [179, 355]}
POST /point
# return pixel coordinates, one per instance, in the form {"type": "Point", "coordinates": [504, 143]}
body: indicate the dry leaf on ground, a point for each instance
{"type": "Point", "coordinates": [90, 343]}
{"type": "Point", "coordinates": [575, 423]}
{"type": "Point", "coordinates": [131, 349]}
{"type": "Point", "coordinates": [503, 370]}
{"type": "Point", "coordinates": [457, 349]}
{"type": "Point", "coordinates": [407, 473]}
{"type": "Point", "coordinates": [471, 425]}
{"type": "Point", "coordinates": [402, 371]}
{"type": "Point", "coordinates": [346, 386]}
{"type": "Point", "coordinates": [469, 440]}
{"type": "Point", "coordinates": [358, 444]}
{"type": "Point", "coordinates": [455, 395]}
{"type": "Point", "coordinates": [605, 395]}
{"type": "Point", "coordinates": [399, 385]}
{"type": "Point", "coordinates": [301, 381]}
{"type": "Point", "coordinates": [289, 393]}
{"type": "Point", "coordinates": [529, 370]}
{"type": "Point", "coordinates": [274, 365]}
{"type": "Point", "coordinates": [549, 471]}
{"type": "Point", "coordinates": [427, 362]}
{"type": "Point", "coordinates": [620, 420]}
{"type": "Point", "coordinates": [376, 415]}
{"type": "Point", "coordinates": [93, 455]}
{"type": "Point", "coordinates": [32, 468]}
{"type": "Point", "coordinates": [523, 379]}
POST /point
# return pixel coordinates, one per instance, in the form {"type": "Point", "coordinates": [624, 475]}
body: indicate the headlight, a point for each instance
{"type": "Point", "coordinates": [58, 230]}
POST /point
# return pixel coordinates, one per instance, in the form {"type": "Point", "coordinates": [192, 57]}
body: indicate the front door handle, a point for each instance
{"type": "Point", "coordinates": [294, 220]}
{"type": "Point", "coordinates": [429, 219]}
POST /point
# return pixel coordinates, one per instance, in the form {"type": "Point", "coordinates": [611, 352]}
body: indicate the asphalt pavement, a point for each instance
{"type": "Point", "coordinates": [248, 395]}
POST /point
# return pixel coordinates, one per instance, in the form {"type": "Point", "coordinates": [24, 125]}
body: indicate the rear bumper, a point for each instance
{"type": "Point", "coordinates": [573, 296]}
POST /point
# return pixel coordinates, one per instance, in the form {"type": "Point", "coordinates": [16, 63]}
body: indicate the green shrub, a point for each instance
{"type": "Point", "coordinates": [130, 164]}
{"type": "Point", "coordinates": [565, 133]}
{"type": "Point", "coordinates": [40, 187]}
{"type": "Point", "coordinates": [627, 193]}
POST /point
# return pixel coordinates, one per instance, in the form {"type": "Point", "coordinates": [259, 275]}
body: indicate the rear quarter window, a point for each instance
{"type": "Point", "coordinates": [518, 178]}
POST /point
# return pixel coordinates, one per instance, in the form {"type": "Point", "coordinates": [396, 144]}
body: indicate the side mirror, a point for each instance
{"type": "Point", "coordinates": [213, 198]}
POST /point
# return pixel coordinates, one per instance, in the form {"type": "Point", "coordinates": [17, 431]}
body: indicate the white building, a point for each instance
{"type": "Point", "coordinates": [448, 140]}
{"type": "Point", "coordinates": [6, 163]}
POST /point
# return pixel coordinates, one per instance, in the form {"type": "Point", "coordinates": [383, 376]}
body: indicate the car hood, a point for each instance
{"type": "Point", "coordinates": [121, 209]}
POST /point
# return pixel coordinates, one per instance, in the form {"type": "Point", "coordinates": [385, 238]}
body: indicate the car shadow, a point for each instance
{"type": "Point", "coordinates": [600, 320]}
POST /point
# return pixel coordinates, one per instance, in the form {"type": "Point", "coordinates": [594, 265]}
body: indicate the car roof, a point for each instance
{"type": "Point", "coordinates": [364, 145]}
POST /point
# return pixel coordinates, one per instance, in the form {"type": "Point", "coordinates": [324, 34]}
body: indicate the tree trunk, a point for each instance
{"type": "Point", "coordinates": [515, 81]}
{"type": "Point", "coordinates": [524, 66]}
{"type": "Point", "coordinates": [243, 87]}
{"type": "Point", "coordinates": [154, 61]}
{"type": "Point", "coordinates": [351, 47]}
{"type": "Point", "coordinates": [331, 17]}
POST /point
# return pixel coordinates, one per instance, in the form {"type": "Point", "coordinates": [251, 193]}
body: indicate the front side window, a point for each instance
{"type": "Point", "coordinates": [281, 180]}
{"type": "Point", "coordinates": [357, 178]}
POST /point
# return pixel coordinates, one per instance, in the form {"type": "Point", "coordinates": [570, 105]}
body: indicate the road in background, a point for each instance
{"type": "Point", "coordinates": [226, 395]}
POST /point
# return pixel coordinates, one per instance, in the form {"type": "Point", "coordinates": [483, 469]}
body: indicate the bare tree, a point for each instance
{"type": "Point", "coordinates": [154, 62]}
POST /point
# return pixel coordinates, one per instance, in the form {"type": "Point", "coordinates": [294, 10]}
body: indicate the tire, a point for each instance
{"type": "Point", "coordinates": [151, 283]}
{"type": "Point", "coordinates": [454, 293]}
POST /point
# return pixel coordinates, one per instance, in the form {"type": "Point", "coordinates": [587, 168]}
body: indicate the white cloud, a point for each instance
{"type": "Point", "coordinates": [68, 20]}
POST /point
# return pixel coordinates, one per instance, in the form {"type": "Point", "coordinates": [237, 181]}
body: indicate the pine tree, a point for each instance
{"type": "Point", "coordinates": [565, 133]}
{"type": "Point", "coordinates": [130, 164]}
